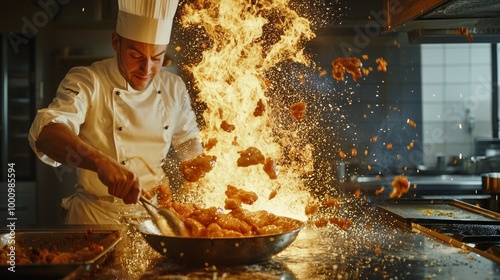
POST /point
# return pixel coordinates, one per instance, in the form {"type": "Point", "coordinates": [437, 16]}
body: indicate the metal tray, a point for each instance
{"type": "Point", "coordinates": [63, 240]}
{"type": "Point", "coordinates": [428, 211]}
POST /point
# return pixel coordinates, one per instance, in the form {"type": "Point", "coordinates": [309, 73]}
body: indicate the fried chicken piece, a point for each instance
{"type": "Point", "coordinates": [227, 127]}
{"type": "Point", "coordinates": [227, 221]}
{"type": "Point", "coordinates": [273, 194]}
{"type": "Point", "coordinates": [400, 186]}
{"type": "Point", "coordinates": [231, 233]}
{"type": "Point", "coordinates": [381, 64]}
{"type": "Point", "coordinates": [250, 156]}
{"type": "Point", "coordinates": [298, 110]}
{"type": "Point", "coordinates": [205, 216]}
{"type": "Point", "coordinates": [341, 222]}
{"type": "Point", "coordinates": [256, 219]}
{"type": "Point", "coordinates": [196, 229]}
{"type": "Point", "coordinates": [285, 224]}
{"type": "Point", "coordinates": [238, 194]}
{"type": "Point", "coordinates": [86, 253]}
{"type": "Point", "coordinates": [196, 168]}
{"type": "Point", "coordinates": [231, 204]}
{"type": "Point", "coordinates": [311, 209]}
{"type": "Point", "coordinates": [357, 193]}
{"type": "Point", "coordinates": [270, 168]}
{"type": "Point", "coordinates": [322, 222]}
{"type": "Point", "coordinates": [269, 229]}
{"type": "Point", "coordinates": [214, 230]}
{"type": "Point", "coordinates": [330, 201]}
{"type": "Point", "coordinates": [380, 191]}
{"type": "Point", "coordinates": [350, 64]}
{"type": "Point", "coordinates": [164, 196]}
{"type": "Point", "coordinates": [411, 123]}
{"type": "Point", "coordinates": [210, 144]}
{"type": "Point", "coordinates": [259, 110]}
{"type": "Point", "coordinates": [184, 210]}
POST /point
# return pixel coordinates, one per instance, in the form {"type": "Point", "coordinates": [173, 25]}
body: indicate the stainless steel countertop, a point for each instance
{"type": "Point", "coordinates": [420, 185]}
{"type": "Point", "coordinates": [445, 179]}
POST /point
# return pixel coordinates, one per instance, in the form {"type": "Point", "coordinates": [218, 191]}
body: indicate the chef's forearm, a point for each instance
{"type": "Point", "coordinates": [62, 145]}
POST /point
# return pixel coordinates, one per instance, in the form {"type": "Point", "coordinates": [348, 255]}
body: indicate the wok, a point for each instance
{"type": "Point", "coordinates": [218, 251]}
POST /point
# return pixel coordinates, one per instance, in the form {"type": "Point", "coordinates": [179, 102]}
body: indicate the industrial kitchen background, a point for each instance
{"type": "Point", "coordinates": [434, 111]}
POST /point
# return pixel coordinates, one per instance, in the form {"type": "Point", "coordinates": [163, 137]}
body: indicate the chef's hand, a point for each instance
{"type": "Point", "coordinates": [121, 181]}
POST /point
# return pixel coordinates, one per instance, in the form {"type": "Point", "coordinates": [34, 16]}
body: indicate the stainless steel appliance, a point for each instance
{"type": "Point", "coordinates": [432, 21]}
{"type": "Point", "coordinates": [455, 222]}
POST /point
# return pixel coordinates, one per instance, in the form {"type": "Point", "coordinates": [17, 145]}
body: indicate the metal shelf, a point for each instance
{"type": "Point", "coordinates": [17, 89]}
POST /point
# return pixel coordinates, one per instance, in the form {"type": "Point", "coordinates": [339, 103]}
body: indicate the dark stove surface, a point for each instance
{"type": "Point", "coordinates": [469, 233]}
{"type": "Point", "coordinates": [454, 222]}
{"type": "Point", "coordinates": [484, 239]}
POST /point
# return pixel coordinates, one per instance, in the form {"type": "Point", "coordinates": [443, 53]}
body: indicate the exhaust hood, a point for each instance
{"type": "Point", "coordinates": [444, 21]}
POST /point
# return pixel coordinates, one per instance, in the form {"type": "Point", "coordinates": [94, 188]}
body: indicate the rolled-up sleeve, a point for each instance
{"type": "Point", "coordinates": [69, 107]}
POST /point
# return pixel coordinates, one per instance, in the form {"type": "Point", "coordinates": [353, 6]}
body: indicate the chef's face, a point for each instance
{"type": "Point", "coordinates": [138, 62]}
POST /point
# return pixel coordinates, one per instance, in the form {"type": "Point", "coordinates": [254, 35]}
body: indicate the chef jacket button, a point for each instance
{"type": "Point", "coordinates": [124, 162]}
{"type": "Point", "coordinates": [117, 92]}
{"type": "Point", "coordinates": [120, 128]}
{"type": "Point", "coordinates": [166, 127]}
{"type": "Point", "coordinates": [159, 92]}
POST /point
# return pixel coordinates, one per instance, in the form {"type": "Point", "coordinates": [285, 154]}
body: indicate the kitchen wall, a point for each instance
{"type": "Point", "coordinates": [456, 98]}
{"type": "Point", "coordinates": [380, 114]}
{"type": "Point", "coordinates": [74, 32]}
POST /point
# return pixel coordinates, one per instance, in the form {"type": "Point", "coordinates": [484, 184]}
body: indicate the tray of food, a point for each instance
{"type": "Point", "coordinates": [438, 211]}
{"type": "Point", "coordinates": [54, 254]}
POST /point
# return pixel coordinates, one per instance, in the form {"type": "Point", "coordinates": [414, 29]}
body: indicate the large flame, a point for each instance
{"type": "Point", "coordinates": [247, 39]}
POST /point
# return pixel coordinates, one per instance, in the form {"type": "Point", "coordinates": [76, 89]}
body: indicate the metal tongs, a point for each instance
{"type": "Point", "coordinates": [167, 221]}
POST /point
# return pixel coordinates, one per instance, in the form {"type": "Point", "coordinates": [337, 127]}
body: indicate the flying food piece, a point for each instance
{"type": "Point", "coordinates": [298, 110]}
{"type": "Point", "coordinates": [259, 110]}
{"type": "Point", "coordinates": [270, 168]}
{"type": "Point", "coordinates": [227, 127]}
{"type": "Point", "coordinates": [236, 197]}
{"type": "Point", "coordinates": [210, 144]}
{"type": "Point", "coordinates": [400, 186]}
{"type": "Point", "coordinates": [350, 64]}
{"type": "Point", "coordinates": [197, 168]}
{"type": "Point", "coordinates": [250, 156]}
{"type": "Point", "coordinates": [381, 64]}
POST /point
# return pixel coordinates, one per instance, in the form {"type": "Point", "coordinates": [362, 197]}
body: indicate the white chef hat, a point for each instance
{"type": "Point", "coordinates": [147, 21]}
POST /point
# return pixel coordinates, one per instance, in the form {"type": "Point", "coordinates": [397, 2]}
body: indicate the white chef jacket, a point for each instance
{"type": "Point", "coordinates": [97, 104]}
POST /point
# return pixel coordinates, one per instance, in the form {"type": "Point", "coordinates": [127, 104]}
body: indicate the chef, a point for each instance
{"type": "Point", "coordinates": [114, 118]}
